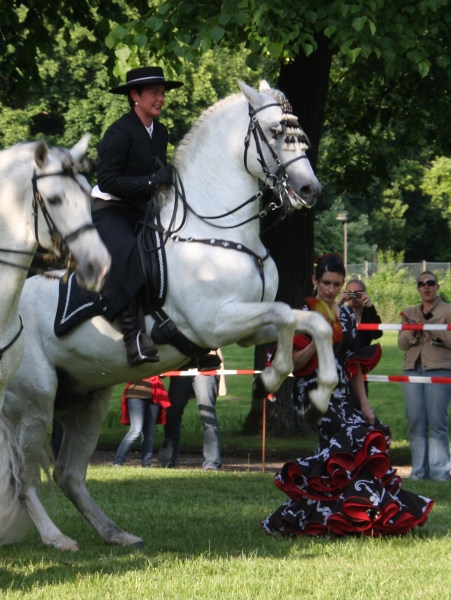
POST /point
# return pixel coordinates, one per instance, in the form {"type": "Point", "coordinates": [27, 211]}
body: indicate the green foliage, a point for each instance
{"type": "Point", "coordinates": [437, 185]}
{"type": "Point", "coordinates": [403, 40]}
{"type": "Point", "coordinates": [381, 137]}
{"type": "Point", "coordinates": [77, 99]}
{"type": "Point", "coordinates": [329, 234]}
{"type": "Point", "coordinates": [385, 139]}
{"type": "Point", "coordinates": [28, 29]}
{"type": "Point", "coordinates": [392, 287]}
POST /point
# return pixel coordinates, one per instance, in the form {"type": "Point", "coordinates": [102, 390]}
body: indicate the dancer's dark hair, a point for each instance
{"type": "Point", "coordinates": [329, 263]}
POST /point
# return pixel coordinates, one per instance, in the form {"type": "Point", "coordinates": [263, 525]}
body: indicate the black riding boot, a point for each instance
{"type": "Point", "coordinates": [140, 348]}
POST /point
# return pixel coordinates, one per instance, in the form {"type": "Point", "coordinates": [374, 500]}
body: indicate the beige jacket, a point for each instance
{"type": "Point", "coordinates": [433, 346]}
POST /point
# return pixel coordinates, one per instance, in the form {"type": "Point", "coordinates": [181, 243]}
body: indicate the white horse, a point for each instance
{"type": "Point", "coordinates": [42, 199]}
{"type": "Point", "coordinates": [219, 293]}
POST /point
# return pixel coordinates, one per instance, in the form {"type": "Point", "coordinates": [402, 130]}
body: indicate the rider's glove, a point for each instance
{"type": "Point", "coordinates": [163, 176]}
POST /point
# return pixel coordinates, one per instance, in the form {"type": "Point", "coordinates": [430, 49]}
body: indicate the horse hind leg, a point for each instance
{"type": "Point", "coordinates": [82, 422]}
{"type": "Point", "coordinates": [32, 435]}
{"type": "Point", "coordinates": [14, 520]}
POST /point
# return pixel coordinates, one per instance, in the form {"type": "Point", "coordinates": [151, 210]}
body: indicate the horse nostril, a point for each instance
{"type": "Point", "coordinates": [307, 191]}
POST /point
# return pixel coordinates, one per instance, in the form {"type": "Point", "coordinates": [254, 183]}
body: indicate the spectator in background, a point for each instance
{"type": "Point", "coordinates": [144, 403]}
{"type": "Point", "coordinates": [356, 296]}
{"type": "Point", "coordinates": [428, 353]}
{"type": "Point", "coordinates": [181, 389]}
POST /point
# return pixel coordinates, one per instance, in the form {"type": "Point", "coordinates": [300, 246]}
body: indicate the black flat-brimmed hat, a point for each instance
{"type": "Point", "coordinates": [145, 76]}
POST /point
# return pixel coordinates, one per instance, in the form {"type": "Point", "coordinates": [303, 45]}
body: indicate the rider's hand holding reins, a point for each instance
{"type": "Point", "coordinates": [164, 176]}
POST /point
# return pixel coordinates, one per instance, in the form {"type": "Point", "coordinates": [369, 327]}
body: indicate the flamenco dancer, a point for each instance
{"type": "Point", "coordinates": [348, 486]}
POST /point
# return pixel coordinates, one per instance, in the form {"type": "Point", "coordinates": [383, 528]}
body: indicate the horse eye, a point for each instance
{"type": "Point", "coordinates": [54, 200]}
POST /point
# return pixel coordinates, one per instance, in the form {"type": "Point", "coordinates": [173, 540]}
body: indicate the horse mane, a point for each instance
{"type": "Point", "coordinates": [208, 113]}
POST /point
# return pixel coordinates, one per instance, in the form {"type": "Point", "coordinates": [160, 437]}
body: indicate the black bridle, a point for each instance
{"type": "Point", "coordinates": [59, 242]}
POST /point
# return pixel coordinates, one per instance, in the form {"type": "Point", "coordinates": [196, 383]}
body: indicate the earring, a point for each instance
{"type": "Point", "coordinates": [136, 103]}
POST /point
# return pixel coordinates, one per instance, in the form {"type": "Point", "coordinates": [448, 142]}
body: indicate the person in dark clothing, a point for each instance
{"type": "Point", "coordinates": [356, 296]}
{"type": "Point", "coordinates": [131, 166]}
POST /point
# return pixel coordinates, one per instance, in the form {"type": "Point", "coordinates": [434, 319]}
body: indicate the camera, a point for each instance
{"type": "Point", "coordinates": [353, 295]}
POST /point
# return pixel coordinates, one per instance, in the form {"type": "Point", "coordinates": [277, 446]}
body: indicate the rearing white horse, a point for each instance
{"type": "Point", "coordinates": [221, 289]}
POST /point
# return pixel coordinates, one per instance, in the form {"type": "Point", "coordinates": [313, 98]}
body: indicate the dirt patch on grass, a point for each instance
{"type": "Point", "coordinates": [246, 462]}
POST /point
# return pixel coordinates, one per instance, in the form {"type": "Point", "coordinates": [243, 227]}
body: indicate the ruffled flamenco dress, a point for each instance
{"type": "Point", "coordinates": [348, 486]}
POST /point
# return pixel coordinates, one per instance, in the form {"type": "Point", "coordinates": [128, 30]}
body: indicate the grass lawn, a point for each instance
{"type": "Point", "coordinates": [203, 540]}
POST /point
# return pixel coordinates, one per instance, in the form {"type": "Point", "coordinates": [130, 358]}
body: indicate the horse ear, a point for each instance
{"type": "Point", "coordinates": [80, 148]}
{"type": "Point", "coordinates": [255, 98]}
{"type": "Point", "coordinates": [41, 154]}
{"type": "Point", "coordinates": [264, 86]}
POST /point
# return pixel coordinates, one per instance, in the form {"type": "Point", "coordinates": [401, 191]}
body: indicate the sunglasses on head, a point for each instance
{"type": "Point", "coordinates": [428, 282]}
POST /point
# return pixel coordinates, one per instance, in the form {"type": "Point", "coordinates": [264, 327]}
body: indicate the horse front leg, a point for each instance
{"type": "Point", "coordinates": [278, 322]}
{"type": "Point", "coordinates": [315, 326]}
{"type": "Point", "coordinates": [32, 422]}
{"type": "Point", "coordinates": [259, 323]}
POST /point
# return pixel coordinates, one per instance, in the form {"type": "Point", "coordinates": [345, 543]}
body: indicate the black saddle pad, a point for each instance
{"type": "Point", "coordinates": [75, 305]}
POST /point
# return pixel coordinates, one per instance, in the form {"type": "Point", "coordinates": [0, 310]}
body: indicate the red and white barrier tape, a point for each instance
{"type": "Point", "coordinates": [360, 327]}
{"type": "Point", "coordinates": [194, 372]}
{"type": "Point", "coordinates": [406, 379]}
{"type": "Point", "coordinates": [377, 378]}
{"type": "Point", "coordinates": [403, 327]}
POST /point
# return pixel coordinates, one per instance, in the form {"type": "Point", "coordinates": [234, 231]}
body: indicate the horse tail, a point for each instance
{"type": "Point", "coordinates": [14, 519]}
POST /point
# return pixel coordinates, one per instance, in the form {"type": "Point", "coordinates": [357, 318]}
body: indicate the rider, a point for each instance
{"type": "Point", "coordinates": [131, 165]}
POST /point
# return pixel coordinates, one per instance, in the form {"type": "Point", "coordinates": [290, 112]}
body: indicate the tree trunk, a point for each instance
{"type": "Point", "coordinates": [305, 83]}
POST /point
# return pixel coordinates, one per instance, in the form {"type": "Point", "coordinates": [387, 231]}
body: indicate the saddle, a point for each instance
{"type": "Point", "coordinates": [76, 305]}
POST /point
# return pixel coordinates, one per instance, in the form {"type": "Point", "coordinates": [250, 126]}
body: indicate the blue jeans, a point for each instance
{"type": "Point", "coordinates": [427, 414]}
{"type": "Point", "coordinates": [180, 389]}
{"type": "Point", "coordinates": [143, 416]}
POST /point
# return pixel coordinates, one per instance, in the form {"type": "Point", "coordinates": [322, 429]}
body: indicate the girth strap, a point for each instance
{"type": "Point", "coordinates": [165, 331]}
{"type": "Point", "coordinates": [260, 260]}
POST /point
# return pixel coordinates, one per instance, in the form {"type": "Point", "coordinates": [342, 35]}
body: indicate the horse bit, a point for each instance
{"type": "Point", "coordinates": [59, 242]}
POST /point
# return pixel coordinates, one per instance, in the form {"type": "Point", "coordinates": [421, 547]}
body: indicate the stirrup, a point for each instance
{"type": "Point", "coordinates": [140, 358]}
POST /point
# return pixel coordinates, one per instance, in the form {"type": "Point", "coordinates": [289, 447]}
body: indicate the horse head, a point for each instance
{"type": "Point", "coordinates": [64, 220]}
{"type": "Point", "coordinates": [279, 148]}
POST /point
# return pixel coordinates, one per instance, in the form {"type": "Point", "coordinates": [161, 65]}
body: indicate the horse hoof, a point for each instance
{"type": "Point", "coordinates": [310, 413]}
{"type": "Point", "coordinates": [139, 546]}
{"type": "Point", "coordinates": [67, 547]}
{"type": "Point", "coordinates": [258, 388]}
